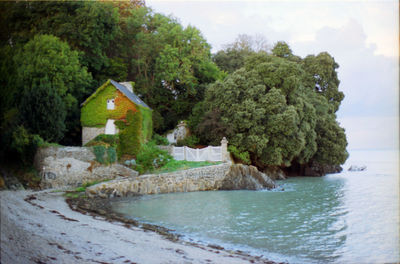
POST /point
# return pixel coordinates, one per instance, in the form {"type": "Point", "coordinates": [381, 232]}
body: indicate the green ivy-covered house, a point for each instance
{"type": "Point", "coordinates": [114, 109]}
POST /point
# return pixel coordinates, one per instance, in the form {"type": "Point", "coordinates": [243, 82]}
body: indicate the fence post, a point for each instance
{"type": "Point", "coordinates": [224, 149]}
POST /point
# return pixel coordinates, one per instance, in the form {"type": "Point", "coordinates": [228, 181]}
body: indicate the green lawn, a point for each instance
{"type": "Point", "coordinates": [175, 165]}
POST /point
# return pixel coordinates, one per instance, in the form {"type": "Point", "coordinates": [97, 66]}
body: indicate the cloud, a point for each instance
{"type": "Point", "coordinates": [369, 81]}
{"type": "Point", "coordinates": [361, 36]}
{"type": "Point", "coordinates": [370, 109]}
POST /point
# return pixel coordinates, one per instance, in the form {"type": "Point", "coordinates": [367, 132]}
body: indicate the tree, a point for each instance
{"type": "Point", "coordinates": [48, 61]}
{"type": "Point", "coordinates": [86, 26]}
{"type": "Point", "coordinates": [274, 115]}
{"type": "Point", "coordinates": [233, 56]}
{"type": "Point", "coordinates": [322, 77]}
{"type": "Point", "coordinates": [263, 122]}
{"type": "Point", "coordinates": [43, 111]}
{"type": "Point", "coordinates": [172, 66]}
{"type": "Point", "coordinates": [282, 49]}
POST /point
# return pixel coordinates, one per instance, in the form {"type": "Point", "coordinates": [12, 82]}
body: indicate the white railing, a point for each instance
{"type": "Point", "coordinates": [210, 153]}
{"type": "Point", "coordinates": [205, 154]}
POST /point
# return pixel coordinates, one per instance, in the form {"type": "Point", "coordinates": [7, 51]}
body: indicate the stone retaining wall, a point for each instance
{"type": "Point", "coordinates": [66, 167]}
{"type": "Point", "coordinates": [198, 179]}
{"type": "Point", "coordinates": [89, 133]}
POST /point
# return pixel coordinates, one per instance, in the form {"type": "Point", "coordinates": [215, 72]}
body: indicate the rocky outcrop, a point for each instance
{"type": "Point", "coordinates": [275, 173]}
{"type": "Point", "coordinates": [357, 168]}
{"type": "Point", "coordinates": [218, 177]}
{"type": "Point", "coordinates": [242, 177]}
{"type": "Point", "coordinates": [9, 181]}
{"type": "Point", "coordinates": [65, 167]}
{"type": "Point", "coordinates": [317, 170]}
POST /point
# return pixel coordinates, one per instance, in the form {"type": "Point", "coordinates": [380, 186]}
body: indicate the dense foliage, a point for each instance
{"type": "Point", "coordinates": [279, 108]}
{"type": "Point", "coordinates": [130, 135]}
{"type": "Point", "coordinates": [74, 47]}
{"type": "Point", "coordinates": [275, 108]}
{"type": "Point", "coordinates": [150, 158]}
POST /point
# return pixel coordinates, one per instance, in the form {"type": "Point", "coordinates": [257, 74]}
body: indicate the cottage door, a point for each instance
{"type": "Point", "coordinates": [110, 127]}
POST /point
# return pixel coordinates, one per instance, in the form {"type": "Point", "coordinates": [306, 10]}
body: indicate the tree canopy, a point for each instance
{"type": "Point", "coordinates": [273, 106]}
{"type": "Point", "coordinates": [73, 47]}
{"type": "Point", "coordinates": [274, 111]}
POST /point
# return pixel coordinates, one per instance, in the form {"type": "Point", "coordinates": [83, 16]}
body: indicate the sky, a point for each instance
{"type": "Point", "coordinates": [362, 36]}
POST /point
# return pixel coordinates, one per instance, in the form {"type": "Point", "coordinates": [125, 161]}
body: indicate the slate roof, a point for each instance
{"type": "Point", "coordinates": [132, 96]}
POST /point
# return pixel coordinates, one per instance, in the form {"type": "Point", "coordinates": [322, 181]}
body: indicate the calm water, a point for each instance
{"type": "Point", "coordinates": [352, 217]}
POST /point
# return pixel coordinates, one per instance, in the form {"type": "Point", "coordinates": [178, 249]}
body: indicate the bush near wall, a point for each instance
{"type": "Point", "coordinates": [105, 155]}
{"type": "Point", "coordinates": [104, 140]}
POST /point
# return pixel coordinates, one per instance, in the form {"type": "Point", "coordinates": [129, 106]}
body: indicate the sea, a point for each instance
{"type": "Point", "coordinates": [348, 217]}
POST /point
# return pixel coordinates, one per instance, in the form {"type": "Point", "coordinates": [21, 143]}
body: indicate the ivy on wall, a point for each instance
{"type": "Point", "coordinates": [133, 121]}
{"type": "Point", "coordinates": [94, 109]}
{"type": "Point", "coordinates": [147, 123]}
{"type": "Point", "coordinates": [130, 137]}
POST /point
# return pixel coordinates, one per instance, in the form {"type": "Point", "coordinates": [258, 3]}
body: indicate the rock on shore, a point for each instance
{"type": "Point", "coordinates": [242, 177]}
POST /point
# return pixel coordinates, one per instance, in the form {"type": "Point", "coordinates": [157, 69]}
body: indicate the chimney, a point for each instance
{"type": "Point", "coordinates": [128, 85]}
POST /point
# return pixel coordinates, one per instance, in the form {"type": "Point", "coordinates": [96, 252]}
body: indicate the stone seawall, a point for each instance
{"type": "Point", "coordinates": [66, 167]}
{"type": "Point", "coordinates": [198, 179]}
{"type": "Point", "coordinates": [218, 177]}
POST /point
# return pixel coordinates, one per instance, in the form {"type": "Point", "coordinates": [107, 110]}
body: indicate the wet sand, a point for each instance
{"type": "Point", "coordinates": [40, 227]}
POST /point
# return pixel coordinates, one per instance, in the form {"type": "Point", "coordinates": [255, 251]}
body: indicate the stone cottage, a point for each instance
{"type": "Point", "coordinates": [108, 105]}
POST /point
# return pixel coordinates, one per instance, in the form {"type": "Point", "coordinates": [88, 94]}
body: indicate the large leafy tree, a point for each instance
{"type": "Point", "coordinates": [86, 26]}
{"type": "Point", "coordinates": [276, 114]}
{"type": "Point", "coordinates": [171, 66]}
{"type": "Point", "coordinates": [233, 55]}
{"type": "Point", "coordinates": [322, 76]}
{"type": "Point", "coordinates": [43, 111]}
{"type": "Point", "coordinates": [48, 61]}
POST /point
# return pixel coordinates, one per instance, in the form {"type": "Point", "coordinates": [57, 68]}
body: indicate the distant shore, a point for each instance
{"type": "Point", "coordinates": [39, 227]}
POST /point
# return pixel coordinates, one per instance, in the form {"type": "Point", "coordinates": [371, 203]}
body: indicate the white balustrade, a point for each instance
{"type": "Point", "coordinates": [209, 153]}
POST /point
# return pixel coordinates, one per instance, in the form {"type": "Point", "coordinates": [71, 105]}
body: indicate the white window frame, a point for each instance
{"type": "Point", "coordinates": [110, 104]}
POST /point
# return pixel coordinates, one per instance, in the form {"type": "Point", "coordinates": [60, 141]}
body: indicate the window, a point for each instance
{"type": "Point", "coordinates": [110, 104]}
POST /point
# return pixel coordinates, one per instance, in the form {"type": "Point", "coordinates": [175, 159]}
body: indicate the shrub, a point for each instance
{"type": "Point", "coordinates": [190, 141]}
{"type": "Point", "coordinates": [99, 153]}
{"type": "Point", "coordinates": [242, 157]}
{"type": "Point", "coordinates": [160, 140]}
{"type": "Point", "coordinates": [25, 144]}
{"type": "Point", "coordinates": [100, 150]}
{"type": "Point", "coordinates": [151, 157]}
{"type": "Point", "coordinates": [111, 155]}
{"type": "Point", "coordinates": [105, 140]}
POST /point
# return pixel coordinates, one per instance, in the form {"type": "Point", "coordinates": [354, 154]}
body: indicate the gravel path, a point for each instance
{"type": "Point", "coordinates": [43, 229]}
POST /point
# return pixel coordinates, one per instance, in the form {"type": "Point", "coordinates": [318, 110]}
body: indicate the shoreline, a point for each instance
{"type": "Point", "coordinates": [40, 227]}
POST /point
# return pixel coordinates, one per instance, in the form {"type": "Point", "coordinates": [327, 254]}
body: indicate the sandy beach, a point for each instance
{"type": "Point", "coordinates": [44, 229]}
